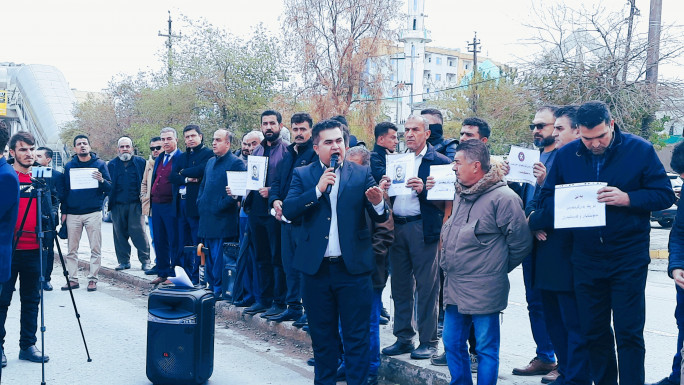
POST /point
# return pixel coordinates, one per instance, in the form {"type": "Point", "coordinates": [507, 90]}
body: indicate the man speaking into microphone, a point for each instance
{"type": "Point", "coordinates": [335, 252]}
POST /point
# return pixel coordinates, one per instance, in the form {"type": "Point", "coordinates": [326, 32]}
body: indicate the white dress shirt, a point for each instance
{"type": "Point", "coordinates": [334, 249]}
{"type": "Point", "coordinates": [409, 205]}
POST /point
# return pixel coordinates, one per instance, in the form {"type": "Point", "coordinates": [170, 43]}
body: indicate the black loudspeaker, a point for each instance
{"type": "Point", "coordinates": [180, 336]}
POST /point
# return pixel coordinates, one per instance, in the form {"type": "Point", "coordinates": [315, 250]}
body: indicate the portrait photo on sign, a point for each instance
{"type": "Point", "coordinates": [399, 174]}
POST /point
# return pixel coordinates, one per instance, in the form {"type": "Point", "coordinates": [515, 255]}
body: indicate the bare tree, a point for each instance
{"type": "Point", "coordinates": [334, 44]}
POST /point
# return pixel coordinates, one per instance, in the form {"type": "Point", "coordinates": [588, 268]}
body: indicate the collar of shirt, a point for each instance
{"type": "Point", "coordinates": [421, 153]}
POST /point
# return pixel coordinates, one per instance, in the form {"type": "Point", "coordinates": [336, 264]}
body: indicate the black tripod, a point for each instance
{"type": "Point", "coordinates": [38, 187]}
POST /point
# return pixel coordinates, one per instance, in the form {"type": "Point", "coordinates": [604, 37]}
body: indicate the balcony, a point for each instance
{"type": "Point", "coordinates": [407, 35]}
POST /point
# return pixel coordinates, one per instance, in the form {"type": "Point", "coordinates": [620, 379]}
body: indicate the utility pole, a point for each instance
{"type": "Point", "coordinates": [169, 45]}
{"type": "Point", "coordinates": [652, 59]}
{"type": "Point", "coordinates": [475, 48]}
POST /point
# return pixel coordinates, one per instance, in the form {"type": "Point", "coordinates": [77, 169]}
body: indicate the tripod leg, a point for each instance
{"type": "Point", "coordinates": [73, 301]}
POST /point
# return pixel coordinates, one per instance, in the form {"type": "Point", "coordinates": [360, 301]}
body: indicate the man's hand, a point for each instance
{"type": "Point", "coordinates": [193, 180]}
{"type": "Point", "coordinates": [327, 178]}
{"type": "Point", "coordinates": [374, 195]}
{"type": "Point", "coordinates": [385, 183]}
{"type": "Point", "coordinates": [229, 192]}
{"type": "Point", "coordinates": [278, 207]}
{"type": "Point", "coordinates": [416, 184]}
{"type": "Point", "coordinates": [505, 167]}
{"type": "Point", "coordinates": [264, 192]}
{"type": "Point", "coordinates": [539, 234]}
{"type": "Point", "coordinates": [613, 196]}
{"type": "Point", "coordinates": [430, 182]}
{"type": "Point", "coordinates": [63, 218]}
{"type": "Point", "coordinates": [539, 172]}
{"type": "Point", "coordinates": [678, 275]}
{"type": "Point", "coordinates": [98, 175]}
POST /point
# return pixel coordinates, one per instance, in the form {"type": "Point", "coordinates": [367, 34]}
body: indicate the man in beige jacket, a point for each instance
{"type": "Point", "coordinates": [485, 238]}
{"type": "Point", "coordinates": [146, 188]}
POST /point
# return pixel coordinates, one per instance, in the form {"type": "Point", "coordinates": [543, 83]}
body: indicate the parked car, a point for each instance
{"type": "Point", "coordinates": [106, 214]}
{"type": "Point", "coordinates": [666, 217]}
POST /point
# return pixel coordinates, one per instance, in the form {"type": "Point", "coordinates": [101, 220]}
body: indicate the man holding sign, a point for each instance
{"type": "Point", "coordinates": [610, 262]}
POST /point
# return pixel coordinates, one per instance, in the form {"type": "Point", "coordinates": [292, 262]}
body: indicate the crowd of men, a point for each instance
{"type": "Point", "coordinates": [317, 243]}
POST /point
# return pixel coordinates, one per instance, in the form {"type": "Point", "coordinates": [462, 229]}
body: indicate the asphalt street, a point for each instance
{"type": "Point", "coordinates": [114, 322]}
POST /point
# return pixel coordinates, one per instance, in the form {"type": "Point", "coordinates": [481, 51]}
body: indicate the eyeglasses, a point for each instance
{"type": "Point", "coordinates": [157, 148]}
{"type": "Point", "coordinates": [539, 126]}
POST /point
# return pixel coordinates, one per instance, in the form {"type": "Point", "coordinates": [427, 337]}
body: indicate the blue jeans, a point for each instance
{"type": "Point", "coordinates": [165, 241]}
{"type": "Point", "coordinates": [376, 308]}
{"type": "Point", "coordinates": [488, 337]}
{"type": "Point", "coordinates": [535, 310]}
{"type": "Point", "coordinates": [215, 264]}
{"type": "Point", "coordinates": [676, 374]}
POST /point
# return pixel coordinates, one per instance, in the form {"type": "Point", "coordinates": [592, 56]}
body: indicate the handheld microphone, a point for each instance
{"type": "Point", "coordinates": [333, 164]}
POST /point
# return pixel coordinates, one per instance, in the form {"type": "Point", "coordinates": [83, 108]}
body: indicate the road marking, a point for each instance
{"type": "Point", "coordinates": [660, 333]}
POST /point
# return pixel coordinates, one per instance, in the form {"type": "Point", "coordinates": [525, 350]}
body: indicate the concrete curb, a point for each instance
{"type": "Point", "coordinates": [391, 369]}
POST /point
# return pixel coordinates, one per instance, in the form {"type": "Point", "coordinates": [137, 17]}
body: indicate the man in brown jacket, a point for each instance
{"type": "Point", "coordinates": [485, 238]}
{"type": "Point", "coordinates": [146, 188]}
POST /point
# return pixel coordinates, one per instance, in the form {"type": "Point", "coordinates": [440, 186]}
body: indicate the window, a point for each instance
{"type": "Point", "coordinates": [414, 24]}
{"type": "Point", "coordinates": [467, 66]}
{"type": "Point", "coordinates": [438, 77]}
{"type": "Point", "coordinates": [439, 61]}
{"type": "Point", "coordinates": [429, 58]}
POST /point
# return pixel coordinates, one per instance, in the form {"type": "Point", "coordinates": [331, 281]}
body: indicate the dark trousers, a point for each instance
{"type": "Point", "coordinates": [676, 374]}
{"type": "Point", "coordinates": [335, 297]}
{"type": "Point", "coordinates": [562, 319]}
{"type": "Point", "coordinates": [165, 240]}
{"type": "Point", "coordinates": [535, 310]}
{"type": "Point", "coordinates": [49, 254]}
{"type": "Point", "coordinates": [414, 269]}
{"type": "Point", "coordinates": [187, 236]}
{"type": "Point", "coordinates": [128, 222]}
{"type": "Point", "coordinates": [246, 285]}
{"type": "Point", "coordinates": [616, 284]}
{"type": "Point", "coordinates": [25, 267]}
{"type": "Point", "coordinates": [271, 277]}
{"type": "Point", "coordinates": [293, 298]}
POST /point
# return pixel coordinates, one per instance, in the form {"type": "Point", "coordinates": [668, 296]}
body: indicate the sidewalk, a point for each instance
{"type": "Point", "coordinates": [517, 346]}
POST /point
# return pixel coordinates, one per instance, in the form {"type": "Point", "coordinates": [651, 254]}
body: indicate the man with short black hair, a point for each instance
{"type": "Point", "coordinates": [126, 171]}
{"type": "Point", "coordinates": [300, 153]}
{"type": "Point", "coordinates": [9, 206]}
{"type": "Point", "coordinates": [446, 147]}
{"type": "Point", "coordinates": [82, 208]}
{"type": "Point", "coordinates": [26, 258]}
{"type": "Point", "coordinates": [43, 156]}
{"type": "Point", "coordinates": [385, 143]}
{"type": "Point", "coordinates": [265, 229]}
{"type": "Point", "coordinates": [475, 128]}
{"type": "Point", "coordinates": [146, 189]}
{"type": "Point", "coordinates": [187, 174]}
{"type": "Point", "coordinates": [610, 263]}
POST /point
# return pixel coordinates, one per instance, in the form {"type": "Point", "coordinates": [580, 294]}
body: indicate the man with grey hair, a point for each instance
{"type": "Point", "coordinates": [413, 256]}
{"type": "Point", "coordinates": [164, 207]}
{"type": "Point", "coordinates": [483, 240]}
{"type": "Point", "coordinates": [126, 171]}
{"type": "Point", "coordinates": [249, 142]}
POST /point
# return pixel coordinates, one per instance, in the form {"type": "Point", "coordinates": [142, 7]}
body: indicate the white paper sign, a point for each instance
{"type": "Point", "coordinates": [400, 170]}
{"type": "Point", "coordinates": [237, 181]}
{"type": "Point", "coordinates": [445, 183]}
{"type": "Point", "coordinates": [576, 205]}
{"type": "Point", "coordinates": [522, 162]}
{"type": "Point", "coordinates": [82, 178]}
{"type": "Point", "coordinates": [256, 172]}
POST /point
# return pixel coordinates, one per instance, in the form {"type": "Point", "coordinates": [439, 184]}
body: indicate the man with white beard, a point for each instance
{"type": "Point", "coordinates": [126, 171]}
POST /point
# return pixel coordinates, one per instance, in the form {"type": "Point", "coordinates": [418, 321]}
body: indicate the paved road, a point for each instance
{"type": "Point", "coordinates": [114, 320]}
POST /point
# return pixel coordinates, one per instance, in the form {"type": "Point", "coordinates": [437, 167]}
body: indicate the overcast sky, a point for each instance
{"type": "Point", "coordinates": [91, 41]}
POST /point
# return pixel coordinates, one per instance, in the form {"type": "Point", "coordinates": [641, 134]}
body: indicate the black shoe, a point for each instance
{"type": "Point", "coordinates": [383, 321]}
{"type": "Point", "coordinates": [384, 313]}
{"type": "Point", "coordinates": [4, 358]}
{"type": "Point", "coordinates": [152, 271]}
{"type": "Point", "coordinates": [664, 381]}
{"type": "Point", "coordinates": [123, 266]}
{"type": "Point", "coordinates": [47, 286]}
{"type": "Point", "coordinates": [256, 308]}
{"type": "Point", "coordinates": [302, 321]}
{"type": "Point", "coordinates": [439, 360]}
{"type": "Point", "coordinates": [305, 327]}
{"type": "Point", "coordinates": [311, 361]}
{"type": "Point", "coordinates": [372, 379]}
{"type": "Point", "coordinates": [32, 354]}
{"type": "Point", "coordinates": [398, 348]}
{"type": "Point", "coordinates": [423, 352]}
{"type": "Point", "coordinates": [287, 315]}
{"type": "Point", "coordinates": [244, 303]}
{"type": "Point", "coordinates": [274, 310]}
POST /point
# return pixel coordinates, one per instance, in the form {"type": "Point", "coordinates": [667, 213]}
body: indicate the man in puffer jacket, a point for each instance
{"type": "Point", "coordinates": [485, 238]}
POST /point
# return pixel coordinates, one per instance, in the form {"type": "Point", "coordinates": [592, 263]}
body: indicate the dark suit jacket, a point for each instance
{"type": "Point", "coordinates": [191, 165]}
{"type": "Point", "coordinates": [116, 169]}
{"type": "Point", "coordinates": [291, 160]}
{"type": "Point", "coordinates": [174, 187]}
{"type": "Point", "coordinates": [9, 207]}
{"type": "Point", "coordinates": [315, 214]}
